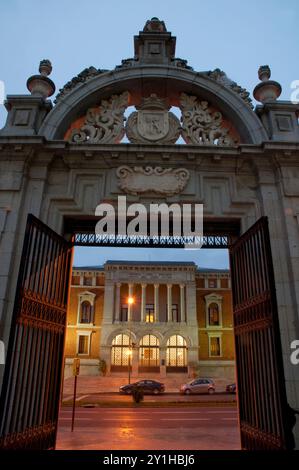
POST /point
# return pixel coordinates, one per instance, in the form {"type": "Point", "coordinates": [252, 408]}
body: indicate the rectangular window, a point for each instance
{"type": "Point", "coordinates": [149, 313]}
{"type": "Point", "coordinates": [83, 344]}
{"type": "Point", "coordinates": [175, 312]}
{"type": "Point", "coordinates": [215, 346]}
{"type": "Point", "coordinates": [124, 312]}
{"type": "Point", "coordinates": [212, 283]}
{"type": "Point", "coordinates": [87, 281]}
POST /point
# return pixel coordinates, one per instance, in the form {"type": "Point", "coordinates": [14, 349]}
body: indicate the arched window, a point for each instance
{"type": "Point", "coordinates": [176, 353]}
{"type": "Point", "coordinates": [86, 312]}
{"type": "Point", "coordinates": [214, 319]}
{"type": "Point", "coordinates": [121, 351]}
{"type": "Point", "coordinates": [149, 351]}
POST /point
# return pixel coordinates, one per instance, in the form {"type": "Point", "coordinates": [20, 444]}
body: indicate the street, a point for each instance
{"type": "Point", "coordinates": [176, 428]}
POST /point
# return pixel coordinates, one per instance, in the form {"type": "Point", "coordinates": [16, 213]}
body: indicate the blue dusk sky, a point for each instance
{"type": "Point", "coordinates": [233, 35]}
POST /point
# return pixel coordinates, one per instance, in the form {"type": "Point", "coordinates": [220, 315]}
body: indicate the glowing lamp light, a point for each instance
{"type": "Point", "coordinates": [130, 300]}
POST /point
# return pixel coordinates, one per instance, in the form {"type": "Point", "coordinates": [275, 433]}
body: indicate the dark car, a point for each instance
{"type": "Point", "coordinates": [231, 388]}
{"type": "Point", "coordinates": [147, 386]}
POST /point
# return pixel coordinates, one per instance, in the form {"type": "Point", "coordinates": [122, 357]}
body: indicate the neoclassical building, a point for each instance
{"type": "Point", "coordinates": [179, 321]}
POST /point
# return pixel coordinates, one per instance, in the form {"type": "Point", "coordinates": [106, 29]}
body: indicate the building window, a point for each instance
{"type": "Point", "coordinates": [87, 281]}
{"type": "Point", "coordinates": [176, 353]}
{"type": "Point", "coordinates": [215, 346]}
{"type": "Point", "coordinates": [124, 312]}
{"type": "Point", "coordinates": [150, 313]}
{"type": "Point", "coordinates": [149, 351]}
{"type": "Point", "coordinates": [83, 344]}
{"type": "Point", "coordinates": [175, 312]}
{"type": "Point", "coordinates": [121, 350]}
{"type": "Point", "coordinates": [213, 313]}
{"type": "Point", "coordinates": [86, 312]}
{"type": "Point", "coordinates": [212, 283]}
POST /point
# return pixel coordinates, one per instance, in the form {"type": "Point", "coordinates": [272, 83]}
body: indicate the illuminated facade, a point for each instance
{"type": "Point", "coordinates": [179, 321]}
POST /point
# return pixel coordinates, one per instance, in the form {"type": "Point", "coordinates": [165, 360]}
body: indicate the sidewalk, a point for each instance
{"type": "Point", "coordinates": [97, 384]}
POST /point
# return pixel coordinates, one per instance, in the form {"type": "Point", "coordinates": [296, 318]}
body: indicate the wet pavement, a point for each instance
{"type": "Point", "coordinates": [174, 428]}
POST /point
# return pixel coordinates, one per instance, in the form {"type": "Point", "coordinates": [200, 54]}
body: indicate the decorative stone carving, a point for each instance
{"type": "Point", "coordinates": [104, 124]}
{"type": "Point", "coordinates": [164, 181]}
{"type": "Point", "coordinates": [221, 77]}
{"type": "Point", "coordinates": [203, 125]}
{"type": "Point", "coordinates": [82, 77]}
{"type": "Point", "coordinates": [153, 123]}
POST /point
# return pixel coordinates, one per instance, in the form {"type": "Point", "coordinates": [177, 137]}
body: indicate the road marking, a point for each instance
{"type": "Point", "coordinates": [77, 418]}
{"type": "Point", "coordinates": [186, 419]}
{"type": "Point", "coordinates": [81, 398]}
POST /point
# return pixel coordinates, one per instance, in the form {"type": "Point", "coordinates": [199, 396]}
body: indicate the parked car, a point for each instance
{"type": "Point", "coordinates": [231, 388]}
{"type": "Point", "coordinates": [199, 385]}
{"type": "Point", "coordinates": [148, 386]}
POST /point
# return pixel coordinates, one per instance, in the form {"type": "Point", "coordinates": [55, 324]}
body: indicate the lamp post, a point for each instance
{"type": "Point", "coordinates": [130, 352]}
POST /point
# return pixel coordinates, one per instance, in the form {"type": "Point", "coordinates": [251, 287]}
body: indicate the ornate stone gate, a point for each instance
{"type": "Point", "coordinates": [192, 137]}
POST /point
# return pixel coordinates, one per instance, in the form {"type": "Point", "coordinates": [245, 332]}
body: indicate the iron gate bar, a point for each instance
{"type": "Point", "coordinates": [263, 407]}
{"type": "Point", "coordinates": [31, 387]}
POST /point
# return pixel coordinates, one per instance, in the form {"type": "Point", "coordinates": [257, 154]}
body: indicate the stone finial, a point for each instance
{"type": "Point", "coordinates": [267, 90]}
{"type": "Point", "coordinates": [264, 73]}
{"type": "Point", "coordinates": [45, 67]}
{"type": "Point", "coordinates": [42, 85]}
{"type": "Point", "coordinates": [155, 25]}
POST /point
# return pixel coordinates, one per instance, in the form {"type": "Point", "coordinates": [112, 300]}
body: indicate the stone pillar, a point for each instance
{"type": "Point", "coordinates": [108, 302]}
{"type": "Point", "coordinates": [143, 301]}
{"type": "Point", "coordinates": [191, 310]}
{"type": "Point", "coordinates": [182, 302]}
{"type": "Point", "coordinates": [156, 302]}
{"type": "Point", "coordinates": [169, 302]}
{"type": "Point", "coordinates": [130, 306]}
{"type": "Point", "coordinates": [117, 303]}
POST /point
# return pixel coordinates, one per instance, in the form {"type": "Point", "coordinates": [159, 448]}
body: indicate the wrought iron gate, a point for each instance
{"type": "Point", "coordinates": [30, 394]}
{"type": "Point", "coordinates": [263, 408]}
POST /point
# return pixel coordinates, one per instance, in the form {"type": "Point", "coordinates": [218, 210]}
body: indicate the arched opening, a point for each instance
{"type": "Point", "coordinates": [149, 354]}
{"type": "Point", "coordinates": [120, 352]}
{"type": "Point", "coordinates": [176, 354]}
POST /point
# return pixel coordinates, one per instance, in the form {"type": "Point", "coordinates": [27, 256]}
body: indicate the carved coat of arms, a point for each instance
{"type": "Point", "coordinates": [153, 123]}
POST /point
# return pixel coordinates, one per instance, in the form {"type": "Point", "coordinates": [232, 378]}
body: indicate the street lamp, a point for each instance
{"type": "Point", "coordinates": [130, 352]}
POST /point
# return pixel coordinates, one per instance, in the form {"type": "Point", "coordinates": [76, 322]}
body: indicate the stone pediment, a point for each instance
{"type": "Point", "coordinates": [163, 181]}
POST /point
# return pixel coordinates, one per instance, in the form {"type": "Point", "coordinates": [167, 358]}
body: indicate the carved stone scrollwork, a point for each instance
{"type": "Point", "coordinates": [153, 123]}
{"type": "Point", "coordinates": [163, 181]}
{"type": "Point", "coordinates": [104, 124]}
{"type": "Point", "coordinates": [203, 125]}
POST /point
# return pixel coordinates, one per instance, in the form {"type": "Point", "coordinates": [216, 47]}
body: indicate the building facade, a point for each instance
{"type": "Point", "coordinates": [179, 321]}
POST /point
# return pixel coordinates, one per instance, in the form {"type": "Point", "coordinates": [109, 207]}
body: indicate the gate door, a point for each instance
{"type": "Point", "coordinates": [263, 407]}
{"type": "Point", "coordinates": [31, 389]}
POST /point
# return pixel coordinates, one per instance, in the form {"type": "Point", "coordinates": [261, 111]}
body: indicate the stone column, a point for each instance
{"type": "Point", "coordinates": [130, 306]}
{"type": "Point", "coordinates": [117, 302]}
{"type": "Point", "coordinates": [108, 302]}
{"type": "Point", "coordinates": [169, 302]}
{"type": "Point", "coordinates": [182, 302]}
{"type": "Point", "coordinates": [191, 316]}
{"type": "Point", "coordinates": [156, 302]}
{"type": "Point", "coordinates": [143, 301]}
